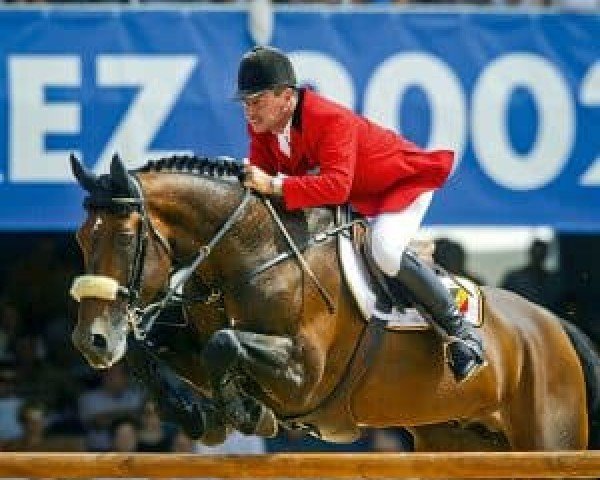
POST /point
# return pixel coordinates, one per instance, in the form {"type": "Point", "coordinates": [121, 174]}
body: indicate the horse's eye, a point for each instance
{"type": "Point", "coordinates": [124, 239]}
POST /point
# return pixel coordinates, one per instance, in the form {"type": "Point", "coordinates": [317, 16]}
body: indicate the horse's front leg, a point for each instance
{"type": "Point", "coordinates": [197, 415]}
{"type": "Point", "coordinates": [266, 359]}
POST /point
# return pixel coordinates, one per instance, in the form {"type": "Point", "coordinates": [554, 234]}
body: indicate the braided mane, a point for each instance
{"type": "Point", "coordinates": [215, 167]}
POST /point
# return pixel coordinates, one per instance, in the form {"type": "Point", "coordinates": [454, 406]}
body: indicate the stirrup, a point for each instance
{"type": "Point", "coordinates": [472, 364]}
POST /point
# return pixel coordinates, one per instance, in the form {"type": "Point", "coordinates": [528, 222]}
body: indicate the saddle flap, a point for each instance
{"type": "Point", "coordinates": [367, 289]}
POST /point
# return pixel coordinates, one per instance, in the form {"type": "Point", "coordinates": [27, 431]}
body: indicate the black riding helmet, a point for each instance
{"type": "Point", "coordinates": [263, 68]}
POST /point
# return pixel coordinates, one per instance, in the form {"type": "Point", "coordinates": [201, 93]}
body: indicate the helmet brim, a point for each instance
{"type": "Point", "coordinates": [242, 95]}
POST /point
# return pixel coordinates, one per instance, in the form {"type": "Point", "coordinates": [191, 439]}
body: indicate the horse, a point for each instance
{"type": "Point", "coordinates": [277, 339]}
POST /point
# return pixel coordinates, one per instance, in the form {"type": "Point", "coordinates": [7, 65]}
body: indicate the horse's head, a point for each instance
{"type": "Point", "coordinates": [126, 262]}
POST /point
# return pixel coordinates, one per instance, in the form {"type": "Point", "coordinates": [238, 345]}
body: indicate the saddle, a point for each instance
{"type": "Point", "coordinates": [370, 288]}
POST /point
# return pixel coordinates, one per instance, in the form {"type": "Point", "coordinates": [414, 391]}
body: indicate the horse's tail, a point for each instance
{"type": "Point", "coordinates": [590, 361]}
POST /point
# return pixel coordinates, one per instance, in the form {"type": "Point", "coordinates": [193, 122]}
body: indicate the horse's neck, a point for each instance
{"type": "Point", "coordinates": [191, 209]}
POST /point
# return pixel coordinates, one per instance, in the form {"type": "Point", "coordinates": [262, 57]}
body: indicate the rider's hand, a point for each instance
{"type": "Point", "coordinates": [258, 180]}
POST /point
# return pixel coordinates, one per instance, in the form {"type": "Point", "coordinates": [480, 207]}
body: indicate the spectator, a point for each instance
{"type": "Point", "coordinates": [40, 380]}
{"type": "Point", "coordinates": [10, 403]}
{"type": "Point", "coordinates": [535, 281]}
{"type": "Point", "coordinates": [72, 374]}
{"type": "Point", "coordinates": [447, 2]}
{"type": "Point", "coordinates": [100, 407]}
{"type": "Point", "coordinates": [45, 297]}
{"type": "Point", "coordinates": [452, 256]}
{"type": "Point", "coordinates": [154, 435]}
{"type": "Point", "coordinates": [182, 443]}
{"type": "Point", "coordinates": [124, 435]}
{"type": "Point", "coordinates": [522, 3]}
{"type": "Point", "coordinates": [122, 439]}
{"type": "Point", "coordinates": [31, 418]}
{"type": "Point", "coordinates": [34, 437]}
{"type": "Point", "coordinates": [10, 323]}
{"type": "Point", "coordinates": [578, 5]}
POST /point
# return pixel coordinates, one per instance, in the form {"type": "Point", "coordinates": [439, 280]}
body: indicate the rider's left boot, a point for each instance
{"type": "Point", "coordinates": [464, 351]}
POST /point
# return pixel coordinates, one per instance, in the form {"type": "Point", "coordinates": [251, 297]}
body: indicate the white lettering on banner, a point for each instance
{"type": "Point", "coordinates": [324, 73]}
{"type": "Point", "coordinates": [32, 117]}
{"type": "Point", "coordinates": [556, 121]}
{"type": "Point", "coordinates": [161, 80]}
{"type": "Point", "coordinates": [440, 85]}
{"type": "Point", "coordinates": [590, 96]}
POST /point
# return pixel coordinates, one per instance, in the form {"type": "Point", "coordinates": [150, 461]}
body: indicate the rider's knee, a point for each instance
{"type": "Point", "coordinates": [386, 254]}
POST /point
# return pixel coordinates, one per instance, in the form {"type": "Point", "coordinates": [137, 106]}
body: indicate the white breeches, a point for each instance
{"type": "Point", "coordinates": [391, 233]}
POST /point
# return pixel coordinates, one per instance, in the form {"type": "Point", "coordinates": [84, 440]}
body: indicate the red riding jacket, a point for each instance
{"type": "Point", "coordinates": [339, 157]}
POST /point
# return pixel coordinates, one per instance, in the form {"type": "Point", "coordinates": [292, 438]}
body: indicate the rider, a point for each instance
{"type": "Point", "coordinates": [314, 152]}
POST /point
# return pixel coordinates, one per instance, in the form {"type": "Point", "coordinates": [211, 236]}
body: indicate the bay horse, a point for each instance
{"type": "Point", "coordinates": [270, 338]}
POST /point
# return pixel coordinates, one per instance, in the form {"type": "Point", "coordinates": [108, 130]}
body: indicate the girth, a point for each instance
{"type": "Point", "coordinates": [334, 415]}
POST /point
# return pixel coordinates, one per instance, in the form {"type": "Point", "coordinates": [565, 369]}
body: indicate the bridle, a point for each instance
{"type": "Point", "coordinates": [131, 292]}
{"type": "Point", "coordinates": [141, 319]}
{"type": "Point", "coordinates": [147, 316]}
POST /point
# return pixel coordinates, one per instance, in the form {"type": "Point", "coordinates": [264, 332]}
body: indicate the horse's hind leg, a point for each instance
{"type": "Point", "coordinates": [230, 353]}
{"type": "Point", "coordinates": [548, 411]}
{"type": "Point", "coordinates": [458, 437]}
{"type": "Point", "coordinates": [549, 424]}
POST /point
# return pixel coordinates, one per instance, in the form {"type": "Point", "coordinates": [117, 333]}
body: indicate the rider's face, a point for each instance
{"type": "Point", "coordinates": [269, 111]}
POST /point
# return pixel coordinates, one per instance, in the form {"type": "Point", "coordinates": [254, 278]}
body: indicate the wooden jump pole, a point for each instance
{"type": "Point", "coordinates": [572, 464]}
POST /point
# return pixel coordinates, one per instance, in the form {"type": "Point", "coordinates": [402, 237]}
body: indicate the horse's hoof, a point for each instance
{"type": "Point", "coordinates": [267, 425]}
{"type": "Point", "coordinates": [252, 418]}
{"type": "Point", "coordinates": [215, 436]}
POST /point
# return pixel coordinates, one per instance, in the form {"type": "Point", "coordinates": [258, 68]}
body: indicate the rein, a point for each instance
{"type": "Point", "coordinates": [142, 319]}
{"type": "Point", "coordinates": [319, 238]}
{"type": "Point", "coordinates": [299, 256]}
{"type": "Point", "coordinates": [148, 315]}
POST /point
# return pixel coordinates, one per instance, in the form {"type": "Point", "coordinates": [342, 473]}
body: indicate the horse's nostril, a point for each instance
{"type": "Point", "coordinates": [99, 341]}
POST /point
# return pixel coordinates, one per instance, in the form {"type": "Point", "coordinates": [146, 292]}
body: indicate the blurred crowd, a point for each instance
{"type": "Point", "coordinates": [51, 400]}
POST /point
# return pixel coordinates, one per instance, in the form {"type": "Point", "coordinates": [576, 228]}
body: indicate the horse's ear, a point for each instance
{"type": "Point", "coordinates": [119, 177]}
{"type": "Point", "coordinates": [85, 178]}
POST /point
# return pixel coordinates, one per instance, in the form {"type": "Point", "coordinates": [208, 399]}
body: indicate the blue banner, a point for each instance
{"type": "Point", "coordinates": [516, 95]}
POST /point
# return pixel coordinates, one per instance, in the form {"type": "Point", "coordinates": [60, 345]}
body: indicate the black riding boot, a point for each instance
{"type": "Point", "coordinates": [465, 350]}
